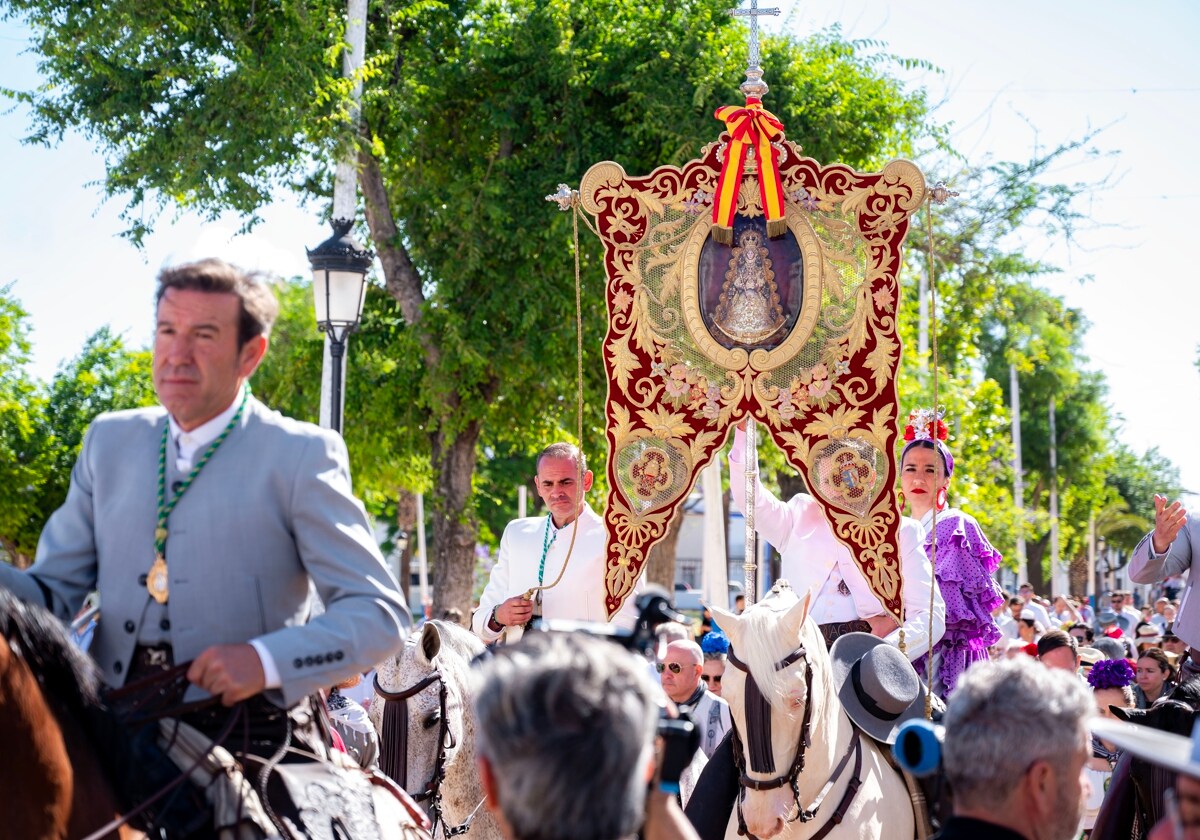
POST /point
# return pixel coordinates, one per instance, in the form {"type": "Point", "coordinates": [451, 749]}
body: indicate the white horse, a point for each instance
{"type": "Point", "coordinates": [809, 764]}
{"type": "Point", "coordinates": [427, 728]}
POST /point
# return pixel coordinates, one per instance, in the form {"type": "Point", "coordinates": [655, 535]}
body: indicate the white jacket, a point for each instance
{"type": "Point", "coordinates": [812, 554]}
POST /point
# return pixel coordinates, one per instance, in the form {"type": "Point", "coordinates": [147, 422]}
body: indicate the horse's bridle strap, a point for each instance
{"type": "Point", "coordinates": [839, 813]}
{"type": "Point", "coordinates": [405, 693]}
{"type": "Point", "coordinates": [791, 659]}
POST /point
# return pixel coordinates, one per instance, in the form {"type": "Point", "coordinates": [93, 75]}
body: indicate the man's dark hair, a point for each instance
{"type": "Point", "coordinates": [1055, 639]}
{"type": "Point", "coordinates": [258, 309]}
{"type": "Point", "coordinates": [1089, 635]}
{"type": "Point", "coordinates": [1015, 600]}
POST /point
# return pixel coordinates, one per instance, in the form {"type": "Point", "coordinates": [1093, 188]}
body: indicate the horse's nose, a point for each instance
{"type": "Point", "coordinates": [767, 830]}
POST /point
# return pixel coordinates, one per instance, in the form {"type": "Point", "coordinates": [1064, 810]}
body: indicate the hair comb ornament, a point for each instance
{"type": "Point", "coordinates": [926, 424]}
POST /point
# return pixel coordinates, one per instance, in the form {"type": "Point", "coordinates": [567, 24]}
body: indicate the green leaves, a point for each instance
{"type": "Point", "coordinates": [42, 428]}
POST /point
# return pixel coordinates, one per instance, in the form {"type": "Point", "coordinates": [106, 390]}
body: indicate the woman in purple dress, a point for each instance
{"type": "Point", "coordinates": [965, 560]}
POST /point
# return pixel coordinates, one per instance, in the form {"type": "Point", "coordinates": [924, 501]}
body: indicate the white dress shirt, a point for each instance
{"type": "Point", "coordinates": [814, 560]}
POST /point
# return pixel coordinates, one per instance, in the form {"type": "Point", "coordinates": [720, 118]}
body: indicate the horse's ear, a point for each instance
{"type": "Point", "coordinates": [431, 642]}
{"type": "Point", "coordinates": [794, 620]}
{"type": "Point", "coordinates": [1127, 715]}
{"type": "Point", "coordinates": [727, 621]}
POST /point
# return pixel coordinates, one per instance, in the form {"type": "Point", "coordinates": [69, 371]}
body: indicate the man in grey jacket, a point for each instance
{"type": "Point", "coordinates": [1166, 551]}
{"type": "Point", "coordinates": [205, 523]}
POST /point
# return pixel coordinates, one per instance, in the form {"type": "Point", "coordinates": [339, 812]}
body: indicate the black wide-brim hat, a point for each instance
{"type": "Point", "coordinates": [876, 683]}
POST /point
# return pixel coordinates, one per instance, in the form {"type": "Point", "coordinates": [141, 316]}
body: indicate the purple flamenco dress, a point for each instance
{"type": "Point", "coordinates": [966, 562]}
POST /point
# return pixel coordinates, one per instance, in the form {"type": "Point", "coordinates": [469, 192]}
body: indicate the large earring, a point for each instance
{"type": "Point", "coordinates": [940, 499]}
{"type": "Point", "coordinates": [900, 496]}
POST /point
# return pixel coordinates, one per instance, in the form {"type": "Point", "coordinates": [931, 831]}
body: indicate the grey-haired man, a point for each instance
{"type": "Point", "coordinates": [1016, 743]}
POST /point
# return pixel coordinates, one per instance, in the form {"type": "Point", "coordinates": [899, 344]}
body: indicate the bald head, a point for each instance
{"type": "Point", "coordinates": [680, 669]}
{"type": "Point", "coordinates": [686, 651]}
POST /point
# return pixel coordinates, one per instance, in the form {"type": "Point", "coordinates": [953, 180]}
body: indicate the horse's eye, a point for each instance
{"type": "Point", "coordinates": [433, 720]}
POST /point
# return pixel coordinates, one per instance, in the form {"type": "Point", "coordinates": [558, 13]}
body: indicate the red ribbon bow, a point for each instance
{"type": "Point", "coordinates": [751, 126]}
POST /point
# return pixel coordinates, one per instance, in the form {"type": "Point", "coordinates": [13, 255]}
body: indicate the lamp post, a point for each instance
{"type": "Point", "coordinates": [339, 267]}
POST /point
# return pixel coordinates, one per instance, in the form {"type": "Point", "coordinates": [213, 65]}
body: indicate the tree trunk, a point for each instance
{"type": "Point", "coordinates": [660, 564]}
{"type": "Point", "coordinates": [1035, 555]}
{"type": "Point", "coordinates": [790, 484]}
{"type": "Point", "coordinates": [454, 527]}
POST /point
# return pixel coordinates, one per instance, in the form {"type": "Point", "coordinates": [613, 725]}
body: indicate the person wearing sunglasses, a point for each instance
{"type": "Point", "coordinates": [714, 646]}
{"type": "Point", "coordinates": [680, 672]}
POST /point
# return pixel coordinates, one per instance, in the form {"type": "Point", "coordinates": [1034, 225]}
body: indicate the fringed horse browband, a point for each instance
{"type": "Point", "coordinates": [393, 751]}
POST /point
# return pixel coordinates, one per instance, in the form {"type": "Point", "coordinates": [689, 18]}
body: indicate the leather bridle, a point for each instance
{"type": "Point", "coordinates": [762, 758]}
{"type": "Point", "coordinates": [393, 749]}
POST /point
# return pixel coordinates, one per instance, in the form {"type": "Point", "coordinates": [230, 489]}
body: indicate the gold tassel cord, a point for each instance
{"type": "Point", "coordinates": [576, 212]}
{"type": "Point", "coordinates": [934, 195]}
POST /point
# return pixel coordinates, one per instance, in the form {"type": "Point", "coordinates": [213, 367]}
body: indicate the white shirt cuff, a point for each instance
{"type": "Point", "coordinates": [270, 669]}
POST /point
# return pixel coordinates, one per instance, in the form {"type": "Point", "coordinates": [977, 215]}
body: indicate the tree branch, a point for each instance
{"type": "Point", "coordinates": [402, 279]}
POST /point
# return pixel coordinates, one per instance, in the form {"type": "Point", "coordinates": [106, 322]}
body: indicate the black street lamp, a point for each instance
{"type": "Point", "coordinates": [339, 266]}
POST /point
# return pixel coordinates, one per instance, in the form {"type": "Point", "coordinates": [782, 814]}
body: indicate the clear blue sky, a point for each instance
{"type": "Point", "coordinates": [1017, 76]}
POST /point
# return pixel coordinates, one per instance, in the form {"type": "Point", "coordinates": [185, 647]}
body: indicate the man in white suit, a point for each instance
{"type": "Point", "coordinates": [533, 550]}
{"type": "Point", "coordinates": [204, 522]}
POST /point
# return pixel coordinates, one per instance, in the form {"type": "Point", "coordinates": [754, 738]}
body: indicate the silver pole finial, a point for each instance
{"type": "Point", "coordinates": [754, 84]}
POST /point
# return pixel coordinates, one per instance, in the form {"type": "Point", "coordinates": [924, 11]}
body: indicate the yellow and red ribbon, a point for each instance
{"type": "Point", "coordinates": [749, 126]}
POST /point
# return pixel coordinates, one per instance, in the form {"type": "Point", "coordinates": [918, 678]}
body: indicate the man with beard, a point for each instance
{"type": "Point", "coordinates": [1016, 743]}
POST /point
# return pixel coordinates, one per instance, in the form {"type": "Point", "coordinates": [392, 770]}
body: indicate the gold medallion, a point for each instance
{"type": "Point", "coordinates": [156, 580]}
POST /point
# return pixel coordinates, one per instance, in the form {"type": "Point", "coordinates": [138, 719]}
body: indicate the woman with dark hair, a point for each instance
{"type": "Point", "coordinates": [1155, 675]}
{"type": "Point", "coordinates": [965, 560]}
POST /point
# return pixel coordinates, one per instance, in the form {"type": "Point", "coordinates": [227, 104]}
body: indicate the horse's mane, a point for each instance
{"type": "Point", "coordinates": [763, 642]}
{"type": "Point", "coordinates": [67, 674]}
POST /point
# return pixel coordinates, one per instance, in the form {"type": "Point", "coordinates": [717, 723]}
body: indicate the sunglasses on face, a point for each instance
{"type": "Point", "coordinates": [674, 667]}
{"type": "Point", "coordinates": [712, 678]}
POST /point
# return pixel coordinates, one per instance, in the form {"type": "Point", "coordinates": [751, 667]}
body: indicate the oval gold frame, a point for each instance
{"type": "Point", "coordinates": [735, 358]}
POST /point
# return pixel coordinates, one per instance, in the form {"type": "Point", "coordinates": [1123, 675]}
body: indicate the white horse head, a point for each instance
{"type": "Point", "coordinates": [437, 720]}
{"type": "Point", "coordinates": [785, 654]}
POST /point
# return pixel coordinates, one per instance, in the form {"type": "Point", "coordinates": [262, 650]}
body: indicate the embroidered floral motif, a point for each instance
{"type": "Point", "coordinates": [787, 411]}
{"type": "Point", "coordinates": [621, 300]}
{"type": "Point", "coordinates": [882, 298]}
{"type": "Point", "coordinates": [697, 203]}
{"type": "Point", "coordinates": [806, 200]}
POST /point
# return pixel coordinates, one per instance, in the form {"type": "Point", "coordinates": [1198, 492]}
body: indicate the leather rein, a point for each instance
{"type": "Point", "coordinates": [762, 759]}
{"type": "Point", "coordinates": [140, 708]}
{"type": "Point", "coordinates": [394, 758]}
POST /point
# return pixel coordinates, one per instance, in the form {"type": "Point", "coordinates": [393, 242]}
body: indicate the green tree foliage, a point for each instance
{"type": "Point", "coordinates": [992, 314]}
{"type": "Point", "coordinates": [472, 111]}
{"type": "Point", "coordinates": [104, 376]}
{"type": "Point", "coordinates": [23, 444]}
{"type": "Point", "coordinates": [42, 427]}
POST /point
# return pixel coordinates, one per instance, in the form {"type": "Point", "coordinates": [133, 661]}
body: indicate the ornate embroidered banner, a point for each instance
{"type": "Point", "coordinates": [798, 331]}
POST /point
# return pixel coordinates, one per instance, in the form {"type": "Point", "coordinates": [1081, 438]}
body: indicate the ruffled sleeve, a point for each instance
{"type": "Point", "coordinates": [964, 564]}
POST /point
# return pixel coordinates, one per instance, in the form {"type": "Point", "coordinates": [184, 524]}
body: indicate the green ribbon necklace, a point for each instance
{"type": "Point", "coordinates": [156, 580]}
{"type": "Point", "coordinates": [548, 539]}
